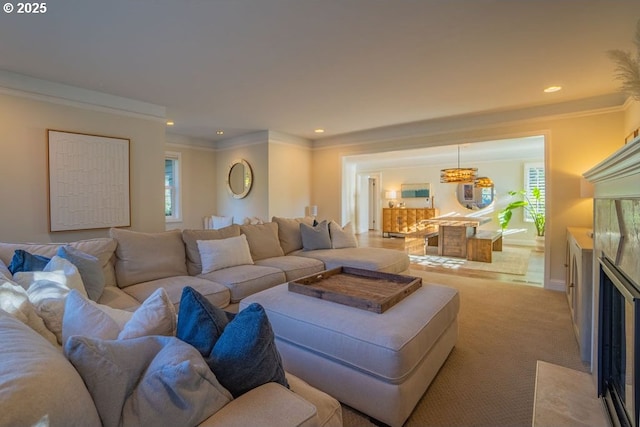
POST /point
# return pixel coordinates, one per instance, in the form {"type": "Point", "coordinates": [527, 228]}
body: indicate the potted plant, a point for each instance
{"type": "Point", "coordinates": [532, 205]}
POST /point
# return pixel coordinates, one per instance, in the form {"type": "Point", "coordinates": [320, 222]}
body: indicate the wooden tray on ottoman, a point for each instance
{"type": "Point", "coordinates": [365, 289]}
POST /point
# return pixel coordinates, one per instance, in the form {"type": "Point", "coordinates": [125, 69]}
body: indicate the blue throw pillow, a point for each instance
{"type": "Point", "coordinates": [244, 355]}
{"type": "Point", "coordinates": [89, 268]}
{"type": "Point", "coordinates": [200, 323]}
{"type": "Point", "coordinates": [25, 261]}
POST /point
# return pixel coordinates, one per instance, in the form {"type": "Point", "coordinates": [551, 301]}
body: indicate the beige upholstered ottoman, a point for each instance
{"type": "Point", "coordinates": [379, 364]}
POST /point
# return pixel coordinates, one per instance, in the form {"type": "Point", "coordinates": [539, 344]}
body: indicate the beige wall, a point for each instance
{"type": "Point", "coordinates": [281, 166]}
{"type": "Point", "coordinates": [632, 117]}
{"type": "Point", "coordinates": [199, 182]}
{"type": "Point", "coordinates": [23, 182]}
{"type": "Point", "coordinates": [573, 145]}
{"type": "Point", "coordinates": [289, 180]}
{"type": "Point", "coordinates": [255, 150]}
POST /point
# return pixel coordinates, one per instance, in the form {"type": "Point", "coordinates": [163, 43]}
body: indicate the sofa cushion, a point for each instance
{"type": "Point", "coordinates": [216, 293]}
{"type": "Point", "coordinates": [379, 259]}
{"type": "Point", "coordinates": [148, 256]}
{"type": "Point", "coordinates": [15, 301]}
{"type": "Point", "coordinates": [272, 405]}
{"type": "Point", "coordinates": [147, 381]}
{"type": "Point", "coordinates": [241, 352]}
{"type": "Point", "coordinates": [115, 297]}
{"type": "Point", "coordinates": [315, 236]}
{"type": "Point", "coordinates": [289, 232]}
{"type": "Point", "coordinates": [263, 240]}
{"type": "Point", "coordinates": [328, 409]}
{"type": "Point", "coordinates": [156, 316]}
{"type": "Point", "coordinates": [294, 267]}
{"type": "Point", "coordinates": [342, 237]}
{"type": "Point", "coordinates": [223, 253]}
{"type": "Point", "coordinates": [37, 383]}
{"type": "Point", "coordinates": [191, 237]}
{"type": "Point", "coordinates": [245, 280]}
{"type": "Point", "coordinates": [89, 268]}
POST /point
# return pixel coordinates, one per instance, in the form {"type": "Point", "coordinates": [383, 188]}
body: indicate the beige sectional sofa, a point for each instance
{"type": "Point", "coordinates": [135, 264]}
{"type": "Point", "coordinates": [37, 380]}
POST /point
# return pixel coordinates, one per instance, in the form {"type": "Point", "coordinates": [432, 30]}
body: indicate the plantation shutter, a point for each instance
{"type": "Point", "coordinates": [534, 178]}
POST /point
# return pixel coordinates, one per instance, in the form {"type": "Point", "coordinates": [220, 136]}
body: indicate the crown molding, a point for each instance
{"type": "Point", "coordinates": [569, 109]}
{"type": "Point", "coordinates": [276, 137]}
{"type": "Point", "coordinates": [255, 138]}
{"type": "Point", "coordinates": [42, 90]}
{"type": "Point", "coordinates": [180, 141]}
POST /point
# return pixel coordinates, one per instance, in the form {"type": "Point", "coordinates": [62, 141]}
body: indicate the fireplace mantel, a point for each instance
{"type": "Point", "coordinates": [618, 176]}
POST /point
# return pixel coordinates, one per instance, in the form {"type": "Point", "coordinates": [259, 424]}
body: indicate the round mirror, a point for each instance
{"type": "Point", "coordinates": [239, 179]}
{"type": "Point", "coordinates": [473, 197]}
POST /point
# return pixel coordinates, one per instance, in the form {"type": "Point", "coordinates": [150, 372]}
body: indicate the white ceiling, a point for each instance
{"type": "Point", "coordinates": [343, 65]}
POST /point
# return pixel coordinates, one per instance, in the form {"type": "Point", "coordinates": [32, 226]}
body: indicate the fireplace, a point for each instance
{"type": "Point", "coordinates": [618, 353]}
{"type": "Point", "coordinates": [616, 289]}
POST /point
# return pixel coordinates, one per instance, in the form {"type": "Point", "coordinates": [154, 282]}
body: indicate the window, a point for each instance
{"type": "Point", "coordinates": [534, 178]}
{"type": "Point", "coordinates": [172, 207]}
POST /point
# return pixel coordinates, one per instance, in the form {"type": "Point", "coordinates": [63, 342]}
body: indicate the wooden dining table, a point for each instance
{"type": "Point", "coordinates": [453, 232]}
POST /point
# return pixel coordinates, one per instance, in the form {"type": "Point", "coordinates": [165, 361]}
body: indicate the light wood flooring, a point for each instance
{"type": "Point", "coordinates": [533, 277]}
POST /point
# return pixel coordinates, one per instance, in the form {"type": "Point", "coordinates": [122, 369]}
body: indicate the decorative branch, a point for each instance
{"type": "Point", "coordinates": [627, 68]}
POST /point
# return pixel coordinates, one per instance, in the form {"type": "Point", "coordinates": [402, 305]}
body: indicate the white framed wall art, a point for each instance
{"type": "Point", "coordinates": [88, 181]}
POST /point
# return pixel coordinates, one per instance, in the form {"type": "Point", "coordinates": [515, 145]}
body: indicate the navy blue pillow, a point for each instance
{"type": "Point", "coordinates": [25, 261]}
{"type": "Point", "coordinates": [200, 323]}
{"type": "Point", "coordinates": [244, 355]}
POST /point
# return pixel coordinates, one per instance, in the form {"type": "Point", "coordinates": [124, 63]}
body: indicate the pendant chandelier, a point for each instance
{"type": "Point", "coordinates": [457, 175]}
{"type": "Point", "coordinates": [483, 182]}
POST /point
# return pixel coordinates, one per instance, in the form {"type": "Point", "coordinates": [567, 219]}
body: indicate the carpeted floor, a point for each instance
{"type": "Point", "coordinates": [489, 377]}
{"type": "Point", "coordinates": [511, 260]}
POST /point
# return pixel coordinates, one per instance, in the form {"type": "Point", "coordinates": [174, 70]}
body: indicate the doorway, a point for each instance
{"type": "Point", "coordinates": [368, 202]}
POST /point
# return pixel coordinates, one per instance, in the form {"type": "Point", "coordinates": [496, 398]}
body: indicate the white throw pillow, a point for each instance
{"type": "Point", "coordinates": [222, 253]}
{"type": "Point", "coordinates": [58, 270]}
{"type": "Point", "coordinates": [219, 222]}
{"type": "Point", "coordinates": [156, 316]}
{"type": "Point", "coordinates": [49, 288]}
{"type": "Point", "coordinates": [15, 301]}
{"type": "Point", "coordinates": [342, 237]}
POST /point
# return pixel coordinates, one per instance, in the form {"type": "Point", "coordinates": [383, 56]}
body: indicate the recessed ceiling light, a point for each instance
{"type": "Point", "coordinates": [552, 89]}
{"type": "Point", "coordinates": [319, 130]}
{"type": "Point", "coordinates": [219, 132]}
{"type": "Point", "coordinates": [170, 123]}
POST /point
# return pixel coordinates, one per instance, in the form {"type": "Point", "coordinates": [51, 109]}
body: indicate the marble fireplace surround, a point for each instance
{"type": "Point", "coordinates": [616, 183]}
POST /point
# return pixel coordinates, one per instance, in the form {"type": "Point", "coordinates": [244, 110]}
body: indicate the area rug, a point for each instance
{"type": "Point", "coordinates": [510, 261]}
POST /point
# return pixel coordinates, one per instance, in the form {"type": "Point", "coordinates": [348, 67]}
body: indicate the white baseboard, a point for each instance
{"type": "Point", "coordinates": [556, 285]}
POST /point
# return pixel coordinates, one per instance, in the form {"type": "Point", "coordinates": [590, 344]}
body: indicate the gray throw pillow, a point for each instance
{"type": "Point", "coordinates": [89, 268]}
{"type": "Point", "coordinates": [315, 237]}
{"type": "Point", "coordinates": [148, 381]}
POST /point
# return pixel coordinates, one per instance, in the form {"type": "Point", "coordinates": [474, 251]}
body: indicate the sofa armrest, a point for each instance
{"type": "Point", "coordinates": [270, 405]}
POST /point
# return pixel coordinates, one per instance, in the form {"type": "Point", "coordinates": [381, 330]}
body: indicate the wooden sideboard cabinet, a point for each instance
{"type": "Point", "coordinates": [404, 220]}
{"type": "Point", "coordinates": [579, 285]}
